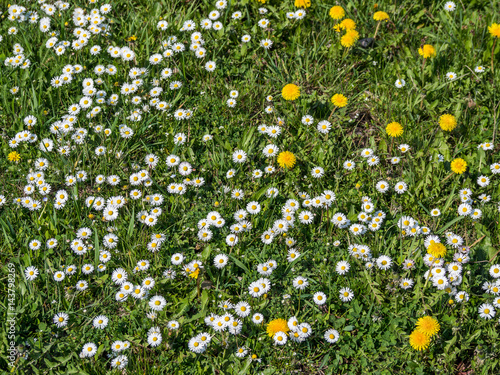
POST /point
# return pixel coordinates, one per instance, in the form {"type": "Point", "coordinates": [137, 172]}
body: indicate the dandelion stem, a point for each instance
{"type": "Point", "coordinates": [376, 30]}
{"type": "Point", "coordinates": [423, 84]}
{"type": "Point", "coordinates": [447, 177]}
{"type": "Point", "coordinates": [331, 114]}
{"type": "Point", "coordinates": [492, 56]}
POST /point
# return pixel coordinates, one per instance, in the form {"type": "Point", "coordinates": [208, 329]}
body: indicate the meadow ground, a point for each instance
{"type": "Point", "coordinates": [250, 187]}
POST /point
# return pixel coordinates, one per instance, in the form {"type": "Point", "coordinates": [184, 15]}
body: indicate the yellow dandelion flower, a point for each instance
{"type": "Point", "coordinates": [458, 166]}
{"type": "Point", "coordinates": [381, 16]}
{"type": "Point", "coordinates": [277, 325]}
{"type": "Point", "coordinates": [339, 100]}
{"type": "Point", "coordinates": [302, 3]}
{"type": "Point", "coordinates": [290, 92]}
{"type": "Point", "coordinates": [394, 129]}
{"type": "Point", "coordinates": [494, 30]}
{"type": "Point", "coordinates": [419, 341]}
{"type": "Point", "coordinates": [347, 24]}
{"type": "Point", "coordinates": [195, 274]}
{"type": "Point", "coordinates": [14, 156]}
{"type": "Point", "coordinates": [286, 159]}
{"type": "Point", "coordinates": [447, 122]}
{"type": "Point", "coordinates": [427, 51]}
{"type": "Point", "coordinates": [437, 250]}
{"type": "Point", "coordinates": [349, 38]}
{"type": "Point", "coordinates": [337, 12]}
{"type": "Point", "coordinates": [428, 326]}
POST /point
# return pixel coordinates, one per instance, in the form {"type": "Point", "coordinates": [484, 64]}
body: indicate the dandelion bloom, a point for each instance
{"type": "Point", "coordinates": [14, 156]}
{"type": "Point", "coordinates": [427, 51]}
{"type": "Point", "coordinates": [381, 16]}
{"type": "Point", "coordinates": [394, 129]}
{"type": "Point", "coordinates": [349, 38]}
{"type": "Point", "coordinates": [337, 12]}
{"type": "Point", "coordinates": [286, 159]}
{"type": "Point", "coordinates": [459, 166]}
{"type": "Point", "coordinates": [428, 326]}
{"type": "Point", "coordinates": [437, 250]}
{"type": "Point", "coordinates": [339, 100]}
{"type": "Point", "coordinates": [277, 325]}
{"type": "Point", "coordinates": [494, 30]}
{"type": "Point", "coordinates": [447, 122]}
{"type": "Point", "coordinates": [302, 3]}
{"type": "Point", "coordinates": [419, 341]}
{"type": "Point", "coordinates": [195, 274]}
{"type": "Point", "coordinates": [347, 24]}
{"type": "Point", "coordinates": [290, 92]}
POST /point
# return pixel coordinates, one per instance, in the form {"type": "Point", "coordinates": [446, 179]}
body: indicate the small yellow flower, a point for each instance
{"type": "Point", "coordinates": [277, 325]}
{"type": "Point", "coordinates": [428, 326]}
{"type": "Point", "coordinates": [394, 129]}
{"type": "Point", "coordinates": [427, 51]}
{"type": "Point", "coordinates": [216, 204]}
{"type": "Point", "coordinates": [339, 100]}
{"type": "Point", "coordinates": [302, 3]}
{"type": "Point", "coordinates": [337, 12]}
{"type": "Point", "coordinates": [347, 24]}
{"type": "Point", "coordinates": [286, 159]}
{"type": "Point", "coordinates": [195, 274]}
{"type": "Point", "coordinates": [14, 156]}
{"type": "Point", "coordinates": [437, 250]}
{"type": "Point", "coordinates": [349, 38]}
{"type": "Point", "coordinates": [381, 16]}
{"type": "Point", "coordinates": [447, 122]}
{"type": "Point", "coordinates": [290, 92]}
{"type": "Point", "coordinates": [419, 341]}
{"type": "Point", "coordinates": [458, 166]}
{"type": "Point", "coordinates": [494, 30]}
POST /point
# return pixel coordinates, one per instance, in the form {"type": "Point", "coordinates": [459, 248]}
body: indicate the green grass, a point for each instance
{"type": "Point", "coordinates": [374, 327]}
